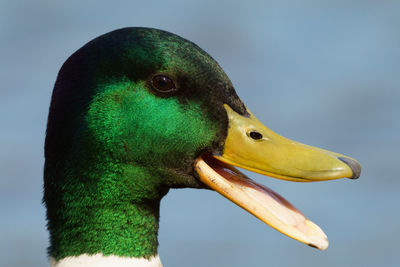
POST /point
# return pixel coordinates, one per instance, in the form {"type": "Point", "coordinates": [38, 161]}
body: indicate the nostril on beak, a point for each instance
{"type": "Point", "coordinates": [354, 166]}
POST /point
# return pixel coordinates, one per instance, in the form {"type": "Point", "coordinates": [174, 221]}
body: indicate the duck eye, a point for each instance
{"type": "Point", "coordinates": [255, 135]}
{"type": "Point", "coordinates": [163, 83]}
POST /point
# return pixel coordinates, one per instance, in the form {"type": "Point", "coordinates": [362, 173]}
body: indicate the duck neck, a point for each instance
{"type": "Point", "coordinates": [104, 212]}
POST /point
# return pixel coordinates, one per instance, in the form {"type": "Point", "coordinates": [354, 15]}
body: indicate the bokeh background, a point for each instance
{"type": "Point", "coordinates": [325, 73]}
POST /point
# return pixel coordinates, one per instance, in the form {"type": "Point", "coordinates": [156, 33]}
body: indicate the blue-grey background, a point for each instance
{"type": "Point", "coordinates": [325, 73]}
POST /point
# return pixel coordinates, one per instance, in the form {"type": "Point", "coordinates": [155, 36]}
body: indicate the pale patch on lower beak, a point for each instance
{"type": "Point", "coordinates": [260, 201]}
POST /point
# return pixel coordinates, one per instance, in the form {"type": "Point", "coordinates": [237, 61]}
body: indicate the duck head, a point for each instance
{"type": "Point", "coordinates": [138, 111]}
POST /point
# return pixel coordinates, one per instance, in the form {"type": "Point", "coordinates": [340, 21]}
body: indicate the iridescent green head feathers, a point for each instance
{"type": "Point", "coordinates": [116, 137]}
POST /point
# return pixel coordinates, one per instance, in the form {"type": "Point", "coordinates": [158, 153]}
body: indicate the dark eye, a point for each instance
{"type": "Point", "coordinates": [163, 83]}
{"type": "Point", "coordinates": [255, 135]}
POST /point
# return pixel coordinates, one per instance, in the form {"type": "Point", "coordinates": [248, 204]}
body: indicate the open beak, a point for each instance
{"type": "Point", "coordinates": [251, 145]}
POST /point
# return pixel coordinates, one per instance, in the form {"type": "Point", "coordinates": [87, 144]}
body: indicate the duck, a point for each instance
{"type": "Point", "coordinates": [139, 111]}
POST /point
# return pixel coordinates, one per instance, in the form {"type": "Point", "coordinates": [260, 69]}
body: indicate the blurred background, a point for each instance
{"type": "Point", "coordinates": [325, 73]}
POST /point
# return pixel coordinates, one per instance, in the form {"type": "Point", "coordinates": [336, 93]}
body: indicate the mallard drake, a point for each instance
{"type": "Point", "coordinates": [138, 111]}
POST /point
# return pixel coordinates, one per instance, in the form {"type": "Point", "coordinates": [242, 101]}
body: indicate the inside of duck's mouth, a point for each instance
{"type": "Point", "coordinates": [232, 174]}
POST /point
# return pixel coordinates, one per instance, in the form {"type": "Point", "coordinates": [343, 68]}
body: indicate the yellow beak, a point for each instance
{"type": "Point", "coordinates": [252, 146]}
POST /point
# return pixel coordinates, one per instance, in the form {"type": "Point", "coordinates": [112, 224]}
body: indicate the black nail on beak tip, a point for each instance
{"type": "Point", "coordinates": [312, 245]}
{"type": "Point", "coordinates": [354, 166]}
